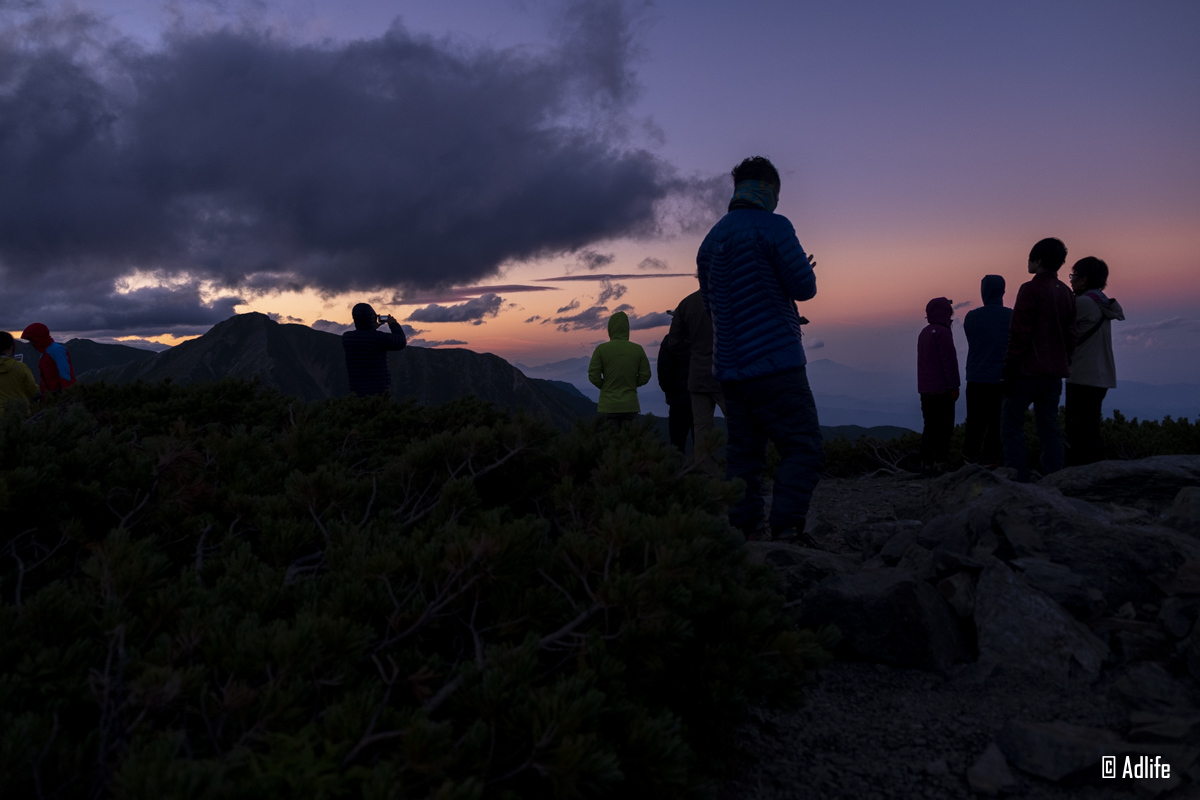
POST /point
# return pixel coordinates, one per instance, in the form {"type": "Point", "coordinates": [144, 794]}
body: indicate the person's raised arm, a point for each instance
{"type": "Point", "coordinates": [793, 267]}
{"type": "Point", "coordinates": [396, 340]}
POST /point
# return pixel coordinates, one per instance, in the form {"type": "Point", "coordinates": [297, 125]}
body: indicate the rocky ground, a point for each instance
{"type": "Point", "coordinates": [999, 638]}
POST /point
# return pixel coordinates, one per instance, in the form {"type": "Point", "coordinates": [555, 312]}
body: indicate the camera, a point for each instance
{"type": "Point", "coordinates": [381, 318]}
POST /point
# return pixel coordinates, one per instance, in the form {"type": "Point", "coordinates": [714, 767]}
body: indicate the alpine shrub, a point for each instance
{"type": "Point", "coordinates": [215, 591]}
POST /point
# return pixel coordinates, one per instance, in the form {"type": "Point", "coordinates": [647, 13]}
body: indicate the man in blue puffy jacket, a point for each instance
{"type": "Point", "coordinates": [752, 271]}
{"type": "Point", "coordinates": [367, 348]}
{"type": "Point", "coordinates": [987, 342]}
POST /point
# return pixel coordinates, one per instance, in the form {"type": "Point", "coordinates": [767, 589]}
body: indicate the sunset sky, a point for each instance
{"type": "Point", "coordinates": [167, 165]}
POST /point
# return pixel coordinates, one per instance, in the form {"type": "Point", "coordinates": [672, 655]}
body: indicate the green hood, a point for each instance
{"type": "Point", "coordinates": [618, 326]}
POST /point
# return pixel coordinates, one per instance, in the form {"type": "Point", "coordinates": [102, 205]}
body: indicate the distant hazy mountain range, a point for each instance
{"type": "Point", "coordinates": [306, 363]}
{"type": "Point", "coordinates": [852, 397]}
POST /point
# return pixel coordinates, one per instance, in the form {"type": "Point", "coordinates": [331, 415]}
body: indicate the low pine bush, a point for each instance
{"type": "Point", "coordinates": [215, 591]}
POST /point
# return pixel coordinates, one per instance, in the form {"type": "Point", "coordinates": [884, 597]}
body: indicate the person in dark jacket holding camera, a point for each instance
{"type": "Point", "coordinates": [367, 348]}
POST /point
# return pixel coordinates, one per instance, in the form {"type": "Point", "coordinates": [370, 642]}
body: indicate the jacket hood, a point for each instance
{"type": "Point", "coordinates": [618, 326]}
{"type": "Point", "coordinates": [8, 365]}
{"type": "Point", "coordinates": [1109, 307]}
{"type": "Point", "coordinates": [992, 290]}
{"type": "Point", "coordinates": [939, 311]}
{"type": "Point", "coordinates": [38, 336]}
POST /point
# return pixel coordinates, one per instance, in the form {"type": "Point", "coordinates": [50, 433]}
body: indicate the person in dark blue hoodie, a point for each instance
{"type": "Point", "coordinates": [987, 342]}
{"type": "Point", "coordinates": [367, 348]}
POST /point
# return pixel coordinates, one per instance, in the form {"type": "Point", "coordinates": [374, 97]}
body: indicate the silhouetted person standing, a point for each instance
{"type": "Point", "coordinates": [54, 367]}
{"type": "Point", "coordinates": [1041, 340]}
{"type": "Point", "coordinates": [692, 323]}
{"type": "Point", "coordinates": [986, 328]}
{"type": "Point", "coordinates": [937, 383]}
{"type": "Point", "coordinates": [673, 380]}
{"type": "Point", "coordinates": [1093, 369]}
{"type": "Point", "coordinates": [752, 271]}
{"type": "Point", "coordinates": [367, 348]}
{"type": "Point", "coordinates": [618, 367]}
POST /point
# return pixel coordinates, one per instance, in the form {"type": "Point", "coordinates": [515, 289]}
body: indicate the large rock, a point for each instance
{"type": "Point", "coordinates": [1057, 582]}
{"type": "Point", "coordinates": [1184, 513]}
{"type": "Point", "coordinates": [800, 567]}
{"type": "Point", "coordinates": [1125, 563]}
{"type": "Point", "coordinates": [990, 774]}
{"type": "Point", "coordinates": [888, 617]}
{"type": "Point", "coordinates": [1023, 629]}
{"type": "Point", "coordinates": [1055, 750]}
{"type": "Point", "coordinates": [1149, 687]}
{"type": "Point", "coordinates": [1144, 483]}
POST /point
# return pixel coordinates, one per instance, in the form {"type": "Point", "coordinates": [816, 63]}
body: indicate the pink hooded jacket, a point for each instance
{"type": "Point", "coordinates": [937, 360]}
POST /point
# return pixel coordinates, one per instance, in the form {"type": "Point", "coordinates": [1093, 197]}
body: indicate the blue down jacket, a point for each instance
{"type": "Point", "coordinates": [752, 269]}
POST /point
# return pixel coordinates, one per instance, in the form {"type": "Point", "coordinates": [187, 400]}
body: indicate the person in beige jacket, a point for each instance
{"type": "Point", "coordinates": [1093, 369]}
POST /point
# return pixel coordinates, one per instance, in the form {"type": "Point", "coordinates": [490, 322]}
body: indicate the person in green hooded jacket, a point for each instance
{"type": "Point", "coordinates": [617, 369]}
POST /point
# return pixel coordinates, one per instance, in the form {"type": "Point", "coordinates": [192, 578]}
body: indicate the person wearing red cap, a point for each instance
{"type": "Point", "coordinates": [54, 367]}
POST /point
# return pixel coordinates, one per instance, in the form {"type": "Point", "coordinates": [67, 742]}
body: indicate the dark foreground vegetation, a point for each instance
{"type": "Point", "coordinates": [1123, 439]}
{"type": "Point", "coordinates": [216, 591]}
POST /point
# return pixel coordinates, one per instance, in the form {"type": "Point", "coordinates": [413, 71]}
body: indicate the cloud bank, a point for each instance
{"type": "Point", "coordinates": [247, 162]}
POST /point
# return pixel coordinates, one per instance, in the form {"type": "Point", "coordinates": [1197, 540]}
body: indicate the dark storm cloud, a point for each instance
{"type": "Point", "coordinates": [97, 307]}
{"type": "Point", "coordinates": [256, 163]}
{"type": "Point", "coordinates": [456, 294]}
{"type": "Point", "coordinates": [655, 319]}
{"type": "Point", "coordinates": [471, 311]}
{"type": "Point", "coordinates": [607, 277]}
{"type": "Point", "coordinates": [591, 260]}
{"type": "Point", "coordinates": [611, 291]}
{"type": "Point", "coordinates": [590, 319]}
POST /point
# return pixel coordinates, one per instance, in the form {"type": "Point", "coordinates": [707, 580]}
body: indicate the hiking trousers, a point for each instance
{"type": "Point", "coordinates": [1043, 393]}
{"type": "Point", "coordinates": [937, 410]}
{"type": "Point", "coordinates": [1083, 416]}
{"type": "Point", "coordinates": [985, 401]}
{"type": "Point", "coordinates": [780, 408]}
{"type": "Point", "coordinates": [679, 422]}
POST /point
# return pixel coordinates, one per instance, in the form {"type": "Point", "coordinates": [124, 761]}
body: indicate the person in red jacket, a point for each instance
{"type": "Point", "coordinates": [1041, 341]}
{"type": "Point", "coordinates": [54, 367]}
{"type": "Point", "coordinates": [938, 383]}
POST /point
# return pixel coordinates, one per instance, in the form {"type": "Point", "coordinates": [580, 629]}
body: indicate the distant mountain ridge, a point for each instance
{"type": "Point", "coordinates": [299, 361]}
{"type": "Point", "coordinates": [87, 355]}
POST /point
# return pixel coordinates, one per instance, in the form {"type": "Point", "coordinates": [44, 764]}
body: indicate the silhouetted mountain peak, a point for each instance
{"type": "Point", "coordinates": [311, 364]}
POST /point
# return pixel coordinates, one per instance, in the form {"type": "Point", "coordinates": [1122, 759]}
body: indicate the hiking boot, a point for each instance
{"type": "Point", "coordinates": [795, 534]}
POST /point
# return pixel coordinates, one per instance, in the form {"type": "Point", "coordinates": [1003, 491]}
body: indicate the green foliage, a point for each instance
{"type": "Point", "coordinates": [219, 592]}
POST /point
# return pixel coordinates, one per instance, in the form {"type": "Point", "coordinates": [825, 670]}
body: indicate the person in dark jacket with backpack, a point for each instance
{"type": "Point", "coordinates": [692, 324]}
{"type": "Point", "coordinates": [1093, 369]}
{"type": "Point", "coordinates": [937, 383]}
{"type": "Point", "coordinates": [986, 328]}
{"type": "Point", "coordinates": [752, 270]}
{"type": "Point", "coordinates": [367, 348]}
{"type": "Point", "coordinates": [673, 358]}
{"type": "Point", "coordinates": [1041, 341]}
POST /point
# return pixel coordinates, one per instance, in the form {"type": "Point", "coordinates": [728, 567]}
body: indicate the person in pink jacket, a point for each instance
{"type": "Point", "coordinates": [938, 384]}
